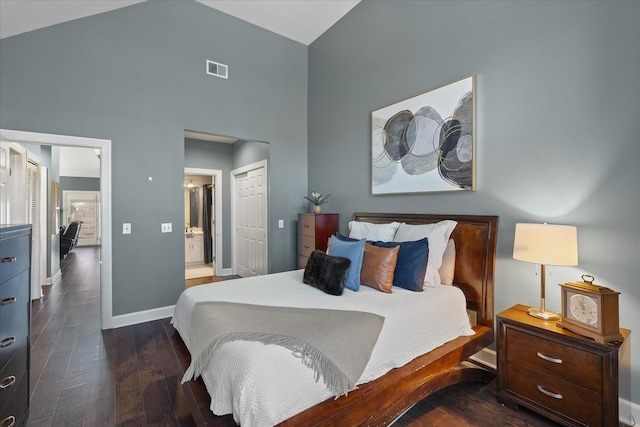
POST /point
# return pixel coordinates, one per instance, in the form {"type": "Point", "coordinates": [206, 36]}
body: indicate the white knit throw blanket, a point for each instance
{"type": "Point", "coordinates": [336, 344]}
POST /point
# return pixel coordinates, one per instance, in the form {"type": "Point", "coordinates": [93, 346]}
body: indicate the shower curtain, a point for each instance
{"type": "Point", "coordinates": [206, 222]}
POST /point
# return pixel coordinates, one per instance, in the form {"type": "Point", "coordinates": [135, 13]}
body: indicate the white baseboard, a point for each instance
{"type": "Point", "coordinates": [142, 316]}
{"type": "Point", "coordinates": [55, 279]}
{"type": "Point", "coordinates": [629, 411]}
{"type": "Point", "coordinates": [227, 271]}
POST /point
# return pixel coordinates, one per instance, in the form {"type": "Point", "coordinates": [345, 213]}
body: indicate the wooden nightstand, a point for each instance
{"type": "Point", "coordinates": [561, 375]}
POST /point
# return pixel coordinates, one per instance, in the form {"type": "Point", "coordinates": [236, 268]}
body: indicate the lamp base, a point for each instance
{"type": "Point", "coordinates": [543, 314]}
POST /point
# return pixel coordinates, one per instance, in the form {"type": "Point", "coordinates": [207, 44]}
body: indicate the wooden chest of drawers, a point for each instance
{"type": "Point", "coordinates": [15, 309]}
{"type": "Point", "coordinates": [314, 231]}
{"type": "Point", "coordinates": [559, 374]}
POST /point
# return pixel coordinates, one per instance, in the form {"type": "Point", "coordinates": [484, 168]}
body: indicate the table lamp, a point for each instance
{"type": "Point", "coordinates": [545, 244]}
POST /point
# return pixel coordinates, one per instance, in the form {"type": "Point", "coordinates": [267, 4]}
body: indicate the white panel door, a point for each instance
{"type": "Point", "coordinates": [250, 215]}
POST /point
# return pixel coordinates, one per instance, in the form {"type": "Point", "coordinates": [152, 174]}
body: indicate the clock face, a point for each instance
{"type": "Point", "coordinates": [583, 309]}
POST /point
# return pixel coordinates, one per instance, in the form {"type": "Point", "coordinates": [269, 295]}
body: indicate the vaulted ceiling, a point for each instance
{"type": "Point", "coordinates": [299, 20]}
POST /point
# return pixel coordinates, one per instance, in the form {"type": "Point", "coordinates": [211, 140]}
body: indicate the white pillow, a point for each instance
{"type": "Point", "coordinates": [375, 232]}
{"type": "Point", "coordinates": [438, 236]}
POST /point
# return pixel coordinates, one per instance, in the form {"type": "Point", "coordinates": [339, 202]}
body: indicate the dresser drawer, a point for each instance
{"type": "Point", "coordinates": [306, 245]}
{"type": "Point", "coordinates": [302, 261]}
{"type": "Point", "coordinates": [14, 256]}
{"type": "Point", "coordinates": [568, 363]}
{"type": "Point", "coordinates": [307, 224]}
{"type": "Point", "coordinates": [13, 373]}
{"type": "Point", "coordinates": [14, 315]}
{"type": "Point", "coordinates": [16, 407]}
{"type": "Point", "coordinates": [561, 396]}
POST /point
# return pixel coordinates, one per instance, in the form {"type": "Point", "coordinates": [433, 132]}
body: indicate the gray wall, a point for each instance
{"type": "Point", "coordinates": [136, 76]}
{"type": "Point", "coordinates": [557, 125]}
{"type": "Point", "coordinates": [249, 152]}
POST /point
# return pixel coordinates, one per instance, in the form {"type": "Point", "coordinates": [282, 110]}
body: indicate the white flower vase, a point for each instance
{"type": "Point", "coordinates": [317, 209]}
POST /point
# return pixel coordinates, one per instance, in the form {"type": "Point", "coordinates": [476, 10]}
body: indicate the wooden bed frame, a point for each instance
{"type": "Point", "coordinates": [380, 402]}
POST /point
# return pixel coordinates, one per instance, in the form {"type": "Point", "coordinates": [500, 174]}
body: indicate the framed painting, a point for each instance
{"type": "Point", "coordinates": [425, 143]}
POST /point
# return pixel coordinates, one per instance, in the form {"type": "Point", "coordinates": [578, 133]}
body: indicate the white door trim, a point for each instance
{"type": "Point", "coordinates": [216, 177]}
{"type": "Point", "coordinates": [234, 173]}
{"type": "Point", "coordinates": [39, 224]}
{"type": "Point", "coordinates": [104, 145]}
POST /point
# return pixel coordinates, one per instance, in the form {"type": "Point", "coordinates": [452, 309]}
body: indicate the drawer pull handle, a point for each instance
{"type": "Point", "coordinates": [9, 259]}
{"type": "Point", "coordinates": [10, 421]}
{"type": "Point", "coordinates": [8, 301]}
{"type": "Point", "coordinates": [548, 393]}
{"type": "Point", "coordinates": [7, 342]}
{"type": "Point", "coordinates": [8, 382]}
{"type": "Point", "coordinates": [548, 358]}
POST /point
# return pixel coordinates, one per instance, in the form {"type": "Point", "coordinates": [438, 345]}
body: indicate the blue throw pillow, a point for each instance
{"type": "Point", "coordinates": [355, 252]}
{"type": "Point", "coordinates": [411, 266]}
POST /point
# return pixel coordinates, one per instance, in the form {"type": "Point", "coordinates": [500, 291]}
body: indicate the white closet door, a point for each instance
{"type": "Point", "coordinates": [250, 218]}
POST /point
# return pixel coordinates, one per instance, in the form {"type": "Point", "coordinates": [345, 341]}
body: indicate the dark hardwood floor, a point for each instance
{"type": "Point", "coordinates": [83, 376]}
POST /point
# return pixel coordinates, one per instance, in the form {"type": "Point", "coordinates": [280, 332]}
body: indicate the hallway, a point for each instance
{"type": "Point", "coordinates": [81, 375]}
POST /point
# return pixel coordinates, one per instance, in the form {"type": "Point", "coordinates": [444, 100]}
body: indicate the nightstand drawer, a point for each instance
{"type": "Point", "coordinates": [302, 261]}
{"type": "Point", "coordinates": [558, 395]}
{"type": "Point", "coordinates": [565, 362]}
{"type": "Point", "coordinates": [307, 224]}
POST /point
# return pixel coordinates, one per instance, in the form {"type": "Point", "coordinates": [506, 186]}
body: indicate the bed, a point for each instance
{"type": "Point", "coordinates": [400, 387]}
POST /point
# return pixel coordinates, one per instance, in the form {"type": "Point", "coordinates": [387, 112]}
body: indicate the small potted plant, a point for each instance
{"type": "Point", "coordinates": [318, 200]}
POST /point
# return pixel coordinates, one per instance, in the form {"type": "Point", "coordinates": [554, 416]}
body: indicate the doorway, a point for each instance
{"type": "Point", "coordinates": [103, 146]}
{"type": "Point", "coordinates": [196, 222]}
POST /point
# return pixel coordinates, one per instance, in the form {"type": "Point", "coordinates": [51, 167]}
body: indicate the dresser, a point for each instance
{"type": "Point", "coordinates": [314, 231]}
{"type": "Point", "coordinates": [15, 309]}
{"type": "Point", "coordinates": [561, 375]}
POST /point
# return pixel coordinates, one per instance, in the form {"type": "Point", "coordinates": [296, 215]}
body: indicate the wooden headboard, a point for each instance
{"type": "Point", "coordinates": [475, 237]}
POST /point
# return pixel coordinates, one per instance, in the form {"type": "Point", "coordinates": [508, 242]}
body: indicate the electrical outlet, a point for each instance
{"type": "Point", "coordinates": [165, 227]}
{"type": "Point", "coordinates": [126, 228]}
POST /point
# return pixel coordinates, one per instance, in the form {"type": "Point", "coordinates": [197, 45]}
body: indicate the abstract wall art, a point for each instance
{"type": "Point", "coordinates": [425, 143]}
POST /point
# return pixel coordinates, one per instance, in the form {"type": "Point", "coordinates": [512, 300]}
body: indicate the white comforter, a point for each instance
{"type": "Point", "coordinates": [262, 385]}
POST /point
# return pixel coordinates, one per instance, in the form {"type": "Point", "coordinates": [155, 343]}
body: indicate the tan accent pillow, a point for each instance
{"type": "Point", "coordinates": [378, 267]}
{"type": "Point", "coordinates": [448, 267]}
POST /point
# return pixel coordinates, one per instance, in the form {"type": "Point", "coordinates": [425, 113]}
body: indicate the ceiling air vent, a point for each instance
{"type": "Point", "coordinates": [217, 69]}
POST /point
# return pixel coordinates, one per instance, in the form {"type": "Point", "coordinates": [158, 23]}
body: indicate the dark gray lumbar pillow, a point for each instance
{"type": "Point", "coordinates": [327, 273]}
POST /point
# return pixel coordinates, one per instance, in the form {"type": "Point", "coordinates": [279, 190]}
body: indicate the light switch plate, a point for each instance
{"type": "Point", "coordinates": [126, 228]}
{"type": "Point", "coordinates": [281, 223]}
{"type": "Point", "coordinates": [165, 227]}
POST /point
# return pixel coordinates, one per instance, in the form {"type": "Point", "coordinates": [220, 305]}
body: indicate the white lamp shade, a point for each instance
{"type": "Point", "coordinates": [546, 244]}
